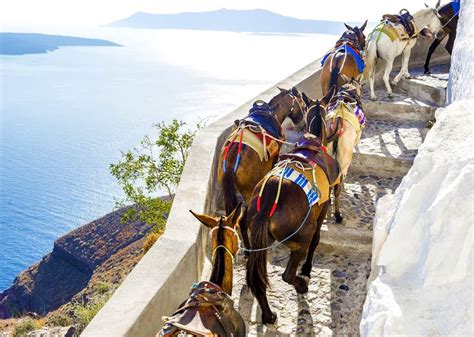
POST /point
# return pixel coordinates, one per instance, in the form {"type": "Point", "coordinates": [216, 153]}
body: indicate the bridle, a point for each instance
{"type": "Point", "coordinates": [234, 231]}
{"type": "Point", "coordinates": [297, 101]}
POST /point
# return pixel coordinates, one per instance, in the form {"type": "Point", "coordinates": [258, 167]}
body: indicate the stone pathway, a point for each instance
{"type": "Point", "coordinates": [332, 307]}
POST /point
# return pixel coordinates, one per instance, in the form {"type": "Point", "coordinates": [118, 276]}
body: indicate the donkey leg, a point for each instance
{"type": "Point", "coordinates": [289, 276]}
{"type": "Point", "coordinates": [386, 76]}
{"type": "Point", "coordinates": [372, 82]}
{"type": "Point", "coordinates": [404, 70]}
{"type": "Point", "coordinates": [433, 47]}
{"type": "Point", "coordinates": [337, 195]}
{"type": "Point", "coordinates": [450, 43]}
{"type": "Point", "coordinates": [307, 266]}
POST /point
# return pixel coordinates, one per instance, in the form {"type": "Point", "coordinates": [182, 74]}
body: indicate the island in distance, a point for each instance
{"type": "Point", "coordinates": [255, 20]}
{"type": "Point", "coordinates": [32, 43]}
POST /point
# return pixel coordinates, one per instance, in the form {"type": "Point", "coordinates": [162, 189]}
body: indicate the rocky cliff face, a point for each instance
{"type": "Point", "coordinates": [104, 249]}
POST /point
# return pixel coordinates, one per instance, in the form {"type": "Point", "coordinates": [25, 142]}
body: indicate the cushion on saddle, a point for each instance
{"type": "Point", "coordinates": [398, 26]}
{"type": "Point", "coordinates": [300, 180]}
{"type": "Point", "coordinates": [347, 48]}
{"type": "Point", "coordinates": [309, 151]}
{"type": "Point", "coordinates": [456, 5]}
{"type": "Point", "coordinates": [266, 121]}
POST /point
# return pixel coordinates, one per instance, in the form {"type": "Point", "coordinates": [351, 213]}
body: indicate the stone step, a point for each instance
{"type": "Point", "coordinates": [398, 108]}
{"type": "Point", "coordinates": [358, 201]}
{"type": "Point", "coordinates": [428, 88]}
{"type": "Point", "coordinates": [388, 147]}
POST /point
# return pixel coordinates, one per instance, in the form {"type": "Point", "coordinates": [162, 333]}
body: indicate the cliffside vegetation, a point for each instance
{"type": "Point", "coordinates": [152, 169]}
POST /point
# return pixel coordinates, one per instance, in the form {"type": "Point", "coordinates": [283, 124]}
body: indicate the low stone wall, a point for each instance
{"type": "Point", "coordinates": [163, 277]}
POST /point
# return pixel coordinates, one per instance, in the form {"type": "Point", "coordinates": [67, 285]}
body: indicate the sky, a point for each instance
{"type": "Point", "coordinates": [98, 12]}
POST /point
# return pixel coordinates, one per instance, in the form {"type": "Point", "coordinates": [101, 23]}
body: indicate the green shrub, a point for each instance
{"type": "Point", "coordinates": [154, 167]}
{"type": "Point", "coordinates": [26, 325]}
{"type": "Point", "coordinates": [58, 319]}
{"type": "Point", "coordinates": [102, 288]}
{"type": "Point", "coordinates": [85, 312]}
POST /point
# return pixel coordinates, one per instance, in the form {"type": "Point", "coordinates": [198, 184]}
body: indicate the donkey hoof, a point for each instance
{"type": "Point", "coordinates": [338, 217]}
{"type": "Point", "coordinates": [301, 285]}
{"type": "Point", "coordinates": [427, 72]}
{"type": "Point", "coordinates": [373, 98]}
{"type": "Point", "coordinates": [271, 319]}
{"type": "Point", "coordinates": [408, 76]}
{"type": "Point", "coordinates": [390, 95]}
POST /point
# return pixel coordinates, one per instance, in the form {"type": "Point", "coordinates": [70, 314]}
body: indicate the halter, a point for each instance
{"type": "Point", "coordinates": [296, 100]}
{"type": "Point", "coordinates": [222, 246]}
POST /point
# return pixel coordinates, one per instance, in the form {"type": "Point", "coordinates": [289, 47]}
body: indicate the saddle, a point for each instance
{"type": "Point", "coordinates": [344, 46]}
{"type": "Point", "coordinates": [309, 151]}
{"type": "Point", "coordinates": [405, 19]}
{"type": "Point", "coordinates": [208, 311]}
{"type": "Point", "coordinates": [261, 115]}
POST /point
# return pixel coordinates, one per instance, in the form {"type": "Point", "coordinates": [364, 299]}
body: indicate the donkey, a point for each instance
{"type": "Point", "coordinates": [345, 121]}
{"type": "Point", "coordinates": [241, 167]}
{"type": "Point", "coordinates": [288, 205]}
{"type": "Point", "coordinates": [209, 310]}
{"type": "Point", "coordinates": [388, 40]}
{"type": "Point", "coordinates": [346, 58]}
{"type": "Point", "coordinates": [448, 16]}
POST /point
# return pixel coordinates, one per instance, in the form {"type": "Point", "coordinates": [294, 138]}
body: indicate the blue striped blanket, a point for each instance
{"type": "Point", "coordinates": [302, 182]}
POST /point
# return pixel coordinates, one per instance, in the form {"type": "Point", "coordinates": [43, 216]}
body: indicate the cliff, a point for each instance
{"type": "Point", "coordinates": [103, 250]}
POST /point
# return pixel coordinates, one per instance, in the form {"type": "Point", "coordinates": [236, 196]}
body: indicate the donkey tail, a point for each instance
{"type": "Point", "coordinates": [230, 191]}
{"type": "Point", "coordinates": [257, 278]}
{"type": "Point", "coordinates": [336, 69]}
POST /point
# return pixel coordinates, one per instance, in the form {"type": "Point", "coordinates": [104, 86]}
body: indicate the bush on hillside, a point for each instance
{"type": "Point", "coordinates": [154, 167]}
{"type": "Point", "coordinates": [26, 325]}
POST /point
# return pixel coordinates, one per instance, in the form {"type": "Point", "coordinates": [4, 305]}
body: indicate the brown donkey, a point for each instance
{"type": "Point", "coordinates": [252, 148]}
{"type": "Point", "coordinates": [346, 58]}
{"type": "Point", "coordinates": [209, 310]}
{"type": "Point", "coordinates": [289, 205]}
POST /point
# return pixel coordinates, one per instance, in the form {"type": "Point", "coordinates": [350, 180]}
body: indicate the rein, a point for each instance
{"type": "Point", "coordinates": [281, 167]}
{"type": "Point", "coordinates": [454, 15]}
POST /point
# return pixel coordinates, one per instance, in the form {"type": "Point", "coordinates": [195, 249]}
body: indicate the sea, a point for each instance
{"type": "Point", "coordinates": [66, 115]}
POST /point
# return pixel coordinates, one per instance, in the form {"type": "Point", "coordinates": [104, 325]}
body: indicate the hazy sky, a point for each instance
{"type": "Point", "coordinates": [96, 12]}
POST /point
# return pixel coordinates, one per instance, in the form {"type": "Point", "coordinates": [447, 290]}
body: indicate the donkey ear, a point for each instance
{"type": "Point", "coordinates": [206, 220]}
{"type": "Point", "coordinates": [438, 4]}
{"type": "Point", "coordinates": [363, 26]}
{"type": "Point", "coordinates": [348, 27]}
{"type": "Point", "coordinates": [235, 214]}
{"type": "Point", "coordinates": [325, 100]}
{"type": "Point", "coordinates": [306, 99]}
{"type": "Point", "coordinates": [282, 90]}
{"type": "Point", "coordinates": [295, 91]}
{"type": "Point", "coordinates": [426, 5]}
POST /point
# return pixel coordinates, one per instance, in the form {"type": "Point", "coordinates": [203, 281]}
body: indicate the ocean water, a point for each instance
{"type": "Point", "coordinates": [66, 115]}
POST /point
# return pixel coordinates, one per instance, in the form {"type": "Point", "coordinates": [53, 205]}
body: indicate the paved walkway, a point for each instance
{"type": "Point", "coordinates": [332, 307]}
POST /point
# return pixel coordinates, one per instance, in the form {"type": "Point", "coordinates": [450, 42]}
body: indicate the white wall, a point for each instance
{"type": "Point", "coordinates": [422, 269]}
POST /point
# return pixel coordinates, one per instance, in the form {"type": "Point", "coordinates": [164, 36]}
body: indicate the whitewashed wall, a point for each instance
{"type": "Point", "coordinates": [422, 270]}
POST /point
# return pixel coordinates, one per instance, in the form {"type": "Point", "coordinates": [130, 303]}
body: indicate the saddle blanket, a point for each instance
{"type": "Point", "coordinates": [392, 30]}
{"type": "Point", "coordinates": [346, 48]}
{"type": "Point", "coordinates": [301, 181]}
{"type": "Point", "coordinates": [456, 5]}
{"type": "Point", "coordinates": [255, 142]}
{"type": "Point", "coordinates": [356, 118]}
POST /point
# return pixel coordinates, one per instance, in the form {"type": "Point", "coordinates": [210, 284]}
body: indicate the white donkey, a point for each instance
{"type": "Point", "coordinates": [386, 43]}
